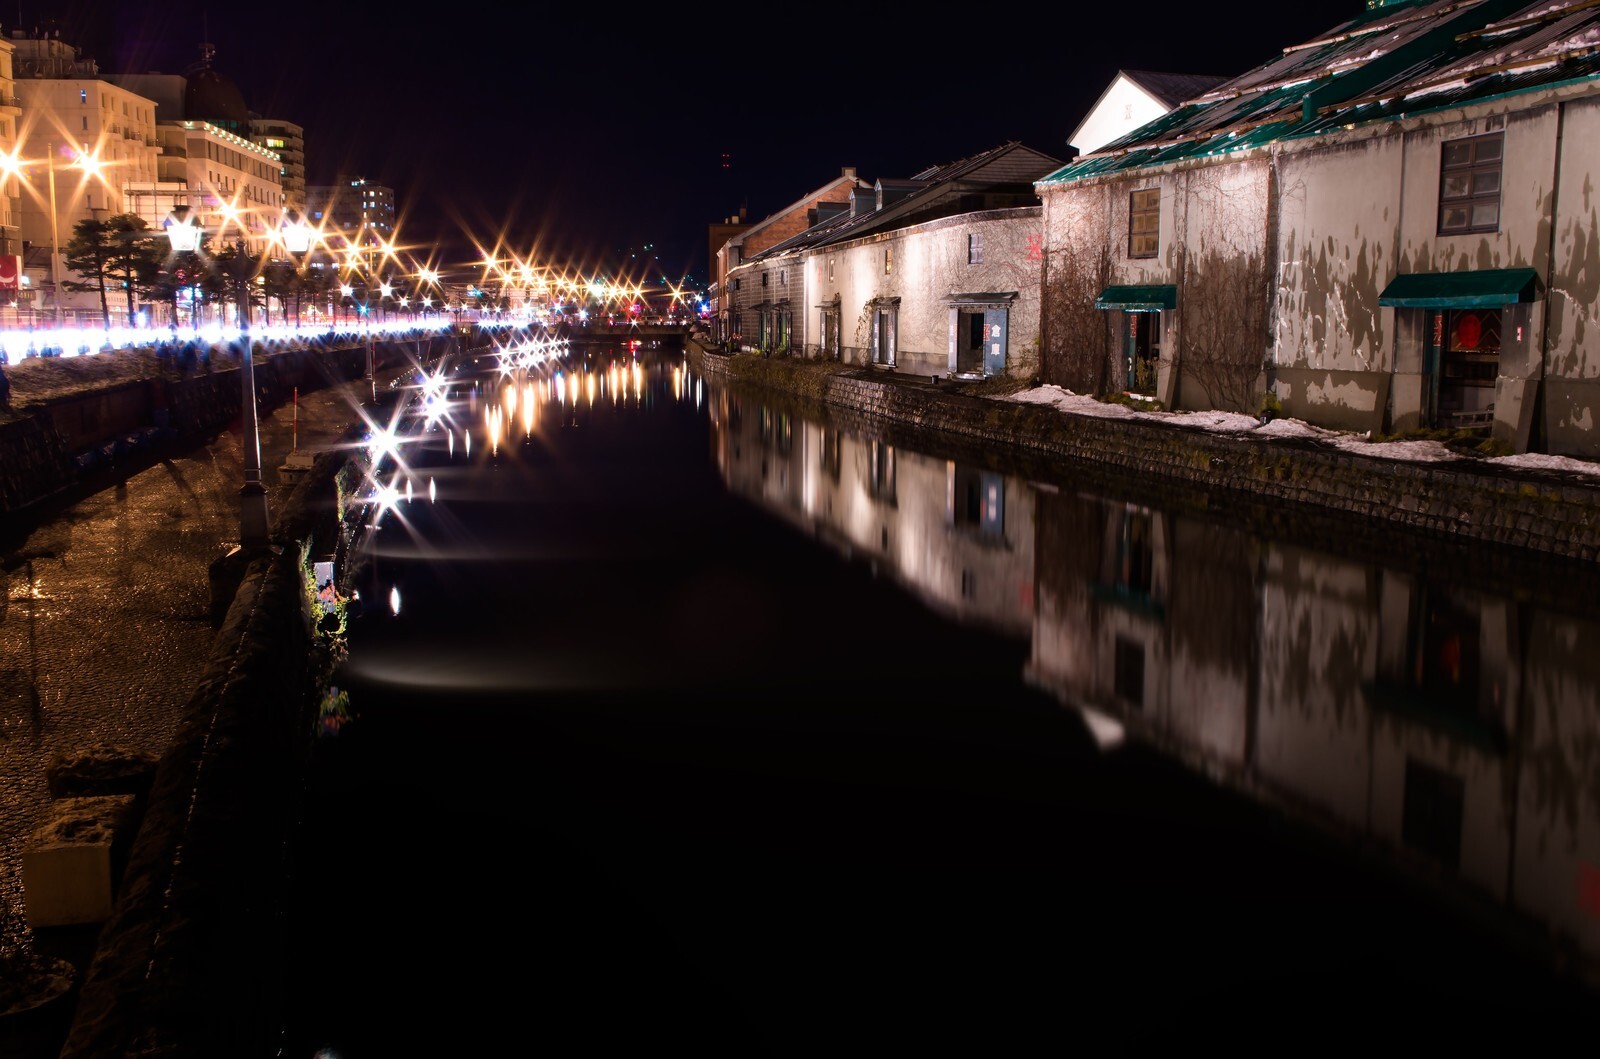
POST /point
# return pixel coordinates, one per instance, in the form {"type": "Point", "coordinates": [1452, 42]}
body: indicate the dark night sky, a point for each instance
{"type": "Point", "coordinates": [595, 133]}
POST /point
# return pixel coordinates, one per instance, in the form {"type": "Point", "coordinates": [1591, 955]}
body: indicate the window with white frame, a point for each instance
{"type": "Point", "coordinates": [975, 248]}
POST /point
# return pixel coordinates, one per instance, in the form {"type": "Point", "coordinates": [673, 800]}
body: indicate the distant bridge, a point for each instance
{"type": "Point", "coordinates": [598, 332]}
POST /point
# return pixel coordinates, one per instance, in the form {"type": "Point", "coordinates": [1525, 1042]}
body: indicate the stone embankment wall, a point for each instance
{"type": "Point", "coordinates": [66, 439]}
{"type": "Point", "coordinates": [1546, 512]}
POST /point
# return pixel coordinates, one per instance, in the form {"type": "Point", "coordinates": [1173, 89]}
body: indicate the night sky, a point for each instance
{"type": "Point", "coordinates": [600, 136]}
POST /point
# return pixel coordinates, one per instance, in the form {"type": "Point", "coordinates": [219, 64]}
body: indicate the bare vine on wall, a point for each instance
{"type": "Point", "coordinates": [864, 327]}
{"type": "Point", "coordinates": [1225, 340]}
{"type": "Point", "coordinates": [1077, 336]}
{"type": "Point", "coordinates": [1224, 304]}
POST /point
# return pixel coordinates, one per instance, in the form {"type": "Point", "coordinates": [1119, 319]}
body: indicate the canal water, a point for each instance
{"type": "Point", "coordinates": [681, 718]}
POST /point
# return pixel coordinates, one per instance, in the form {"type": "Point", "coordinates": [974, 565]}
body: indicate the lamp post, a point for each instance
{"type": "Point", "coordinates": [55, 234]}
{"type": "Point", "coordinates": [254, 525]}
{"type": "Point", "coordinates": [183, 237]}
{"type": "Point", "coordinates": [297, 241]}
{"type": "Point", "coordinates": [372, 337]}
{"type": "Point", "coordinates": [358, 258]}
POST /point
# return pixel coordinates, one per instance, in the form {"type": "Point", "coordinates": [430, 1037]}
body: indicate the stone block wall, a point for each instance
{"type": "Point", "coordinates": [1545, 512]}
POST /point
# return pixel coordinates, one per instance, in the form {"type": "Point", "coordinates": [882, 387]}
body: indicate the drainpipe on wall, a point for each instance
{"type": "Point", "coordinates": [1271, 267]}
{"type": "Point", "coordinates": [1522, 440]}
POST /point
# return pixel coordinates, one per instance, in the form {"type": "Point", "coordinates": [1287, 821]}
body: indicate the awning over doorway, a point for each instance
{"type": "Point", "coordinates": [1484, 288]}
{"type": "Point", "coordinates": [1139, 298]}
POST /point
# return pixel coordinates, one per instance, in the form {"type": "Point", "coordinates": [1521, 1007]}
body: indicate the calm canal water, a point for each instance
{"type": "Point", "coordinates": [686, 720]}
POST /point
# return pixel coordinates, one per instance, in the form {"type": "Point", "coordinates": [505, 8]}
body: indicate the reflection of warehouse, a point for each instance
{"type": "Point", "coordinates": [1438, 721]}
{"type": "Point", "coordinates": [959, 537]}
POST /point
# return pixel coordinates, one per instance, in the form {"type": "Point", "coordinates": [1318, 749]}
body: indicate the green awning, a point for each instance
{"type": "Point", "coordinates": [1139, 298]}
{"type": "Point", "coordinates": [1485, 288]}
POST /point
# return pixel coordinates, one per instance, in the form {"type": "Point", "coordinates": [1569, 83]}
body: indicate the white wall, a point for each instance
{"type": "Point", "coordinates": [1122, 108]}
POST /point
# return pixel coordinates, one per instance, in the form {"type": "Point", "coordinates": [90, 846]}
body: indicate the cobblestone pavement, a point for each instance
{"type": "Point", "coordinates": [105, 609]}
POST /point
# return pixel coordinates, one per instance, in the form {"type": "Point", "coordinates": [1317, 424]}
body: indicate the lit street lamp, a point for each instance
{"type": "Point", "coordinates": [296, 238]}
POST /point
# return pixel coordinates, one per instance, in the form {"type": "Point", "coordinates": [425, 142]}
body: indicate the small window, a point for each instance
{"type": "Point", "coordinates": [1469, 184]}
{"type": "Point", "coordinates": [736, 284]}
{"type": "Point", "coordinates": [830, 271]}
{"type": "Point", "coordinates": [1144, 222]}
{"type": "Point", "coordinates": [83, 95]}
{"type": "Point", "coordinates": [974, 249]}
{"type": "Point", "coordinates": [888, 261]}
{"type": "Point", "coordinates": [763, 279]}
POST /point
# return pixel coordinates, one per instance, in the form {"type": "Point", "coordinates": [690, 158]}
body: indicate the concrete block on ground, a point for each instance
{"type": "Point", "coordinates": [70, 862]}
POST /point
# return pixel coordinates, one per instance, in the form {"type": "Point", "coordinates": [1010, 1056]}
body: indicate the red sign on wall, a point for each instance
{"type": "Point", "coordinates": [10, 272]}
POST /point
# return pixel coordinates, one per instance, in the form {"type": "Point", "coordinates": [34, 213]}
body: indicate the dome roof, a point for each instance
{"type": "Point", "coordinates": [209, 96]}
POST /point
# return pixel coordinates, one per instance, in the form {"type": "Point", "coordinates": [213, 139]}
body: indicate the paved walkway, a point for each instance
{"type": "Point", "coordinates": [105, 610]}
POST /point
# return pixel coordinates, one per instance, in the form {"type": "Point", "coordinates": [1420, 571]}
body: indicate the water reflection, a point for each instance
{"type": "Point", "coordinates": [959, 537]}
{"type": "Point", "coordinates": [1452, 729]}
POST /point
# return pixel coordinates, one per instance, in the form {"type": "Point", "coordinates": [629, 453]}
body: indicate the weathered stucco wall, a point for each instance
{"type": "Point", "coordinates": [928, 264]}
{"type": "Point", "coordinates": [1527, 180]}
{"type": "Point", "coordinates": [1572, 307]}
{"type": "Point", "coordinates": [1217, 341]}
{"type": "Point", "coordinates": [1338, 223]}
{"type": "Point", "coordinates": [1338, 219]}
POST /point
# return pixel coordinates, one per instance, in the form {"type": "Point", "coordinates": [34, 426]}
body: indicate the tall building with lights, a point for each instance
{"type": "Point", "coordinates": [89, 136]}
{"type": "Point", "coordinates": [218, 158]}
{"type": "Point", "coordinates": [232, 182]}
{"type": "Point", "coordinates": [288, 140]}
{"type": "Point", "coordinates": [355, 209]}
{"type": "Point", "coordinates": [10, 186]}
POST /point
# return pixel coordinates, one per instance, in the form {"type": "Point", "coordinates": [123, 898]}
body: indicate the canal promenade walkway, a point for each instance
{"type": "Point", "coordinates": [106, 629]}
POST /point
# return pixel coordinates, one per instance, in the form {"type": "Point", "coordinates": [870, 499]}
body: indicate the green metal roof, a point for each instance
{"type": "Point", "coordinates": [1447, 290]}
{"type": "Point", "coordinates": [1140, 296]}
{"type": "Point", "coordinates": [1394, 59]}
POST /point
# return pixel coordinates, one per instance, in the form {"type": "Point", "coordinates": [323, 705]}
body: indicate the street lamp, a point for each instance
{"type": "Point", "coordinates": [367, 243]}
{"type": "Point", "coordinates": [296, 238]}
{"type": "Point", "coordinates": [183, 237]}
